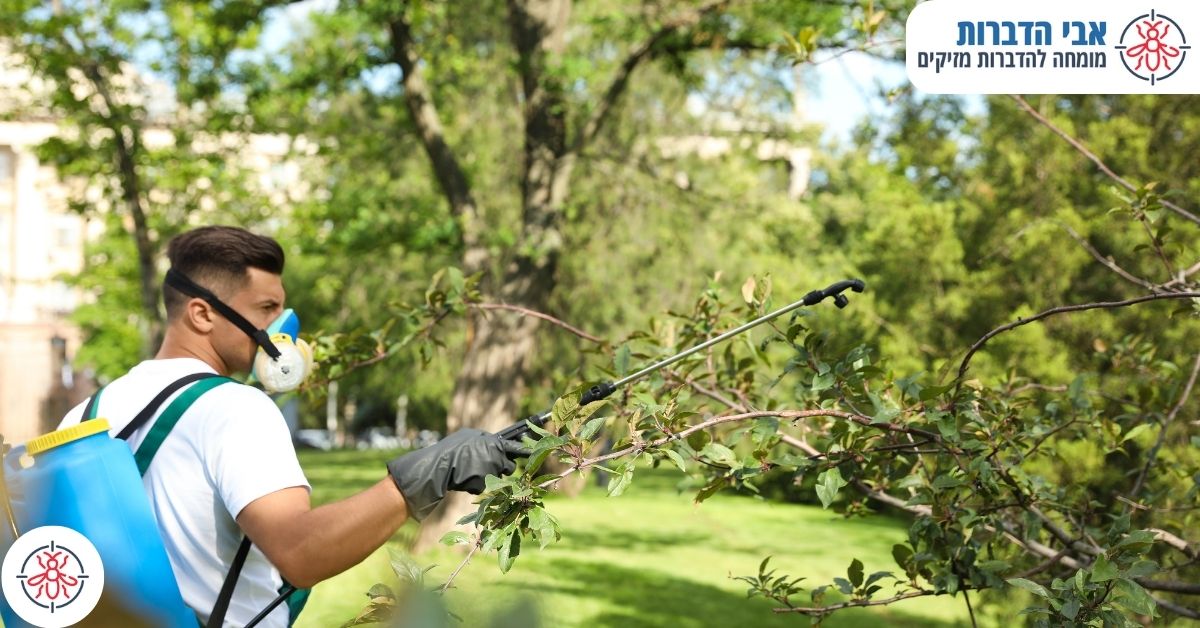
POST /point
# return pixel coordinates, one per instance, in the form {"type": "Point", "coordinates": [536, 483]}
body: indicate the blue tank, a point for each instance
{"type": "Point", "coordinates": [82, 478]}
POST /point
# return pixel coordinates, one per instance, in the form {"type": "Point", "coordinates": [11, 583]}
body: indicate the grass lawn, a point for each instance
{"type": "Point", "coordinates": [647, 558]}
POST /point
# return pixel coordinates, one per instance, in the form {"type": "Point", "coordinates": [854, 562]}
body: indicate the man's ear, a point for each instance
{"type": "Point", "coordinates": [199, 315]}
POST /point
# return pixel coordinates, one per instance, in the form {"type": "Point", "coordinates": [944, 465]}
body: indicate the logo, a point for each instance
{"type": "Point", "coordinates": [52, 577]}
{"type": "Point", "coordinates": [1153, 47]}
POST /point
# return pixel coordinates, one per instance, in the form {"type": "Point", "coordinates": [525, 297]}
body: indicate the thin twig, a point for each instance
{"type": "Point", "coordinates": [1166, 424]}
{"type": "Point", "coordinates": [1050, 562]}
{"type": "Point", "coordinates": [466, 559]}
{"type": "Point", "coordinates": [970, 611]}
{"type": "Point", "coordinates": [962, 369]}
{"type": "Point", "coordinates": [825, 610]}
{"type": "Point", "coordinates": [539, 315]}
{"type": "Point", "coordinates": [1182, 278]}
{"type": "Point", "coordinates": [1077, 145]}
{"type": "Point", "coordinates": [711, 394]}
{"type": "Point", "coordinates": [731, 418]}
{"type": "Point", "coordinates": [1182, 611]}
{"type": "Point", "coordinates": [1108, 261]}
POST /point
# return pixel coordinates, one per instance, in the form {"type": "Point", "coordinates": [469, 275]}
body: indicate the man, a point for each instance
{"type": "Point", "coordinates": [228, 469]}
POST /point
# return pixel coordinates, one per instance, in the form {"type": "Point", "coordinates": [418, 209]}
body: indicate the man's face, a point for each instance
{"type": "Point", "coordinates": [260, 300]}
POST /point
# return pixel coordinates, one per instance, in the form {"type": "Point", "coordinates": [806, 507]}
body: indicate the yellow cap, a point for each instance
{"type": "Point", "coordinates": [71, 434]}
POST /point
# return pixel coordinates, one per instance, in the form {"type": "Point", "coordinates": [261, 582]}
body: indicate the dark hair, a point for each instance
{"type": "Point", "coordinates": [217, 258]}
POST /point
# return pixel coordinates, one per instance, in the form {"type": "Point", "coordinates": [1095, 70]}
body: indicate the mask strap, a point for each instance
{"type": "Point", "coordinates": [182, 283]}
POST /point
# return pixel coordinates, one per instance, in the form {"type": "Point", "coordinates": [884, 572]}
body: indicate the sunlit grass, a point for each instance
{"type": "Point", "coordinates": [647, 558]}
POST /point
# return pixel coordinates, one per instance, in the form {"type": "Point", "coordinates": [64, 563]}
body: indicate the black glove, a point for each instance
{"type": "Point", "coordinates": [458, 462]}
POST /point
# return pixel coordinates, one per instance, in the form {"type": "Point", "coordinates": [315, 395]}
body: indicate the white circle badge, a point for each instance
{"type": "Point", "coordinates": [52, 577]}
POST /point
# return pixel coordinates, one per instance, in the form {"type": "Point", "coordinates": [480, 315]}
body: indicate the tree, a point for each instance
{"type": "Point", "coordinates": [1080, 493]}
{"type": "Point", "coordinates": [568, 91]}
{"type": "Point", "coordinates": [150, 143]}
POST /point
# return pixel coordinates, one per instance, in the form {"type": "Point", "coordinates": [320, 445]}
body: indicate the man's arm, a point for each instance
{"type": "Point", "coordinates": [308, 545]}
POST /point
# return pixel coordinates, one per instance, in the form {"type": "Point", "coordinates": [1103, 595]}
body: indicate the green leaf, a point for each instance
{"type": "Point", "coordinates": [590, 428]}
{"type": "Point", "coordinates": [1103, 570]}
{"type": "Point", "coordinates": [1070, 608]}
{"type": "Point", "coordinates": [902, 554]}
{"type": "Point", "coordinates": [545, 526]}
{"type": "Point", "coordinates": [455, 537]}
{"type": "Point", "coordinates": [1132, 596]}
{"type": "Point", "coordinates": [720, 454]}
{"type": "Point", "coordinates": [509, 551]}
{"type": "Point", "coordinates": [405, 568]}
{"type": "Point", "coordinates": [621, 360]}
{"type": "Point", "coordinates": [1136, 431]}
{"type": "Point", "coordinates": [380, 590]}
{"type": "Point", "coordinates": [946, 481]}
{"type": "Point", "coordinates": [535, 461]}
{"type": "Point", "coordinates": [855, 573]}
{"type": "Point", "coordinates": [565, 408]}
{"type": "Point", "coordinates": [1142, 568]}
{"type": "Point", "coordinates": [618, 486]}
{"type": "Point", "coordinates": [828, 485]}
{"type": "Point", "coordinates": [1029, 585]}
{"type": "Point", "coordinates": [676, 458]}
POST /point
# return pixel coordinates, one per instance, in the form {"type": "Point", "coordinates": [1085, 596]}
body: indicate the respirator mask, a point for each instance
{"type": "Point", "coordinates": [283, 360]}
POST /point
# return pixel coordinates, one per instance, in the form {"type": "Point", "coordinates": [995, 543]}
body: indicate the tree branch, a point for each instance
{"type": "Point", "coordinates": [962, 369]}
{"type": "Point", "coordinates": [731, 418]}
{"type": "Point", "coordinates": [524, 311]}
{"type": "Point", "coordinates": [117, 122]}
{"type": "Point", "coordinates": [620, 81]}
{"type": "Point", "coordinates": [825, 610]}
{"type": "Point", "coordinates": [1182, 611]}
{"type": "Point", "coordinates": [1174, 541]}
{"type": "Point", "coordinates": [1181, 280]}
{"type": "Point", "coordinates": [1172, 586]}
{"type": "Point", "coordinates": [1166, 424]}
{"type": "Point", "coordinates": [418, 97]}
{"type": "Point", "coordinates": [1108, 261]}
{"type": "Point", "coordinates": [1083, 150]}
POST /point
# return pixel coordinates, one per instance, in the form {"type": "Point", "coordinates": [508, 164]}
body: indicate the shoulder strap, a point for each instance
{"type": "Point", "coordinates": [158, 400]}
{"type": "Point", "coordinates": [217, 617]}
{"type": "Point", "coordinates": [203, 382]}
{"type": "Point", "coordinates": [169, 417]}
{"type": "Point", "coordinates": [89, 411]}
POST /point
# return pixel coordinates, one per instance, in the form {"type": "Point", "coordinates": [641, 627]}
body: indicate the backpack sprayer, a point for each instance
{"type": "Point", "coordinates": [600, 391]}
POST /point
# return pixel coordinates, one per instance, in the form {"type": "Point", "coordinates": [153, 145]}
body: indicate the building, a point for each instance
{"type": "Point", "coordinates": [40, 241]}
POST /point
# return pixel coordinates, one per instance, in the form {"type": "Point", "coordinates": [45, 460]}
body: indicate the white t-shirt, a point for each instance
{"type": "Point", "coordinates": [231, 447]}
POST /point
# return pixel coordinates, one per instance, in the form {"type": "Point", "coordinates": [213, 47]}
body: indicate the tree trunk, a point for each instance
{"type": "Point", "coordinates": [492, 379]}
{"type": "Point", "coordinates": [153, 328]}
{"type": "Point", "coordinates": [128, 144]}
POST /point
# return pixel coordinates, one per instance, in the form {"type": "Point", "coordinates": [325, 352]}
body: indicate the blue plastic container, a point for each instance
{"type": "Point", "coordinates": [82, 478]}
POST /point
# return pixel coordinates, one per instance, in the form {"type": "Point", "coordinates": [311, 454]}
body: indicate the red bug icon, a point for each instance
{"type": "Point", "coordinates": [52, 583]}
{"type": "Point", "coordinates": [1153, 52]}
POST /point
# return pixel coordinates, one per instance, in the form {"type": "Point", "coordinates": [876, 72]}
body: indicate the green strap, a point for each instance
{"type": "Point", "coordinates": [295, 601]}
{"type": "Point", "coordinates": [93, 405]}
{"type": "Point", "coordinates": [169, 417]}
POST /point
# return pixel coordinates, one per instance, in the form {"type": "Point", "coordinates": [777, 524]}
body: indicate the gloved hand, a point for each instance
{"type": "Point", "coordinates": [458, 462]}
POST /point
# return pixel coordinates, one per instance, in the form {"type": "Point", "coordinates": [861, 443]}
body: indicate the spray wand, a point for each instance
{"type": "Point", "coordinates": [602, 390]}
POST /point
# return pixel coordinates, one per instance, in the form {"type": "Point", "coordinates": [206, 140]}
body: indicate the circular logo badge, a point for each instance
{"type": "Point", "coordinates": [52, 577]}
{"type": "Point", "coordinates": [1153, 47]}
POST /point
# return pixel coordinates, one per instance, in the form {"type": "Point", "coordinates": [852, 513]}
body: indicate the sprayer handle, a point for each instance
{"type": "Point", "coordinates": [517, 431]}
